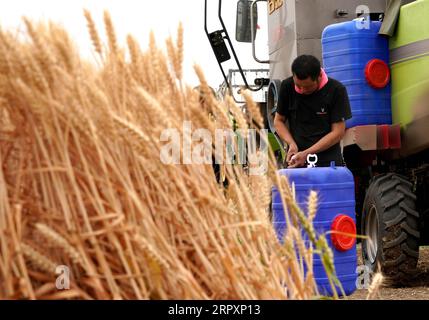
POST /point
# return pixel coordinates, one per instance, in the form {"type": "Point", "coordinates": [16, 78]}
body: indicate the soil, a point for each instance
{"type": "Point", "coordinates": [418, 288]}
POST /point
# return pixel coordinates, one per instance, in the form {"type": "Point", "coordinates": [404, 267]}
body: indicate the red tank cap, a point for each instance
{"type": "Point", "coordinates": [343, 224]}
{"type": "Point", "coordinates": [377, 73]}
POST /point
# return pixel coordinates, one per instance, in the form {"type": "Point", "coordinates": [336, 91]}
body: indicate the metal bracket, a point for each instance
{"type": "Point", "coordinates": [340, 13]}
{"type": "Point", "coordinates": [219, 48]}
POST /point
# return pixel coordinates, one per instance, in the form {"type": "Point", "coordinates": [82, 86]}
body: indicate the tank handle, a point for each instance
{"type": "Point", "coordinates": [312, 160]}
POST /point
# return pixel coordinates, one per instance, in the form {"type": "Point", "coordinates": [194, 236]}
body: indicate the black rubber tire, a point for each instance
{"type": "Point", "coordinates": [398, 228]}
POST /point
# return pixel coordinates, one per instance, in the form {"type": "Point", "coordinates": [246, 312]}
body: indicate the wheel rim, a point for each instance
{"type": "Point", "coordinates": [371, 230]}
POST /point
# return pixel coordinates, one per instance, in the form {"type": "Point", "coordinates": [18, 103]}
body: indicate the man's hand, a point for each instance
{"type": "Point", "coordinates": [293, 150]}
{"type": "Point", "coordinates": [298, 160]}
{"type": "Point", "coordinates": [284, 133]}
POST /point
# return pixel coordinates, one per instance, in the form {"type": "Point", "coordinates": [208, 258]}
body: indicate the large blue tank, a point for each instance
{"type": "Point", "coordinates": [357, 56]}
{"type": "Point", "coordinates": [336, 211]}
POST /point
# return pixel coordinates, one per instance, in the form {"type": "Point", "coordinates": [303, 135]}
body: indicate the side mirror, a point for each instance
{"type": "Point", "coordinates": [243, 31]}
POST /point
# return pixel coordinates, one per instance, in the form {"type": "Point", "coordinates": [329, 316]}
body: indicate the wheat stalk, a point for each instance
{"type": "Point", "coordinates": [110, 31]}
{"type": "Point", "coordinates": [39, 260]}
{"type": "Point", "coordinates": [60, 242]}
{"type": "Point", "coordinates": [93, 33]}
{"type": "Point", "coordinates": [178, 64]}
{"type": "Point", "coordinates": [374, 288]}
{"type": "Point", "coordinates": [255, 112]}
{"type": "Point", "coordinates": [312, 205]}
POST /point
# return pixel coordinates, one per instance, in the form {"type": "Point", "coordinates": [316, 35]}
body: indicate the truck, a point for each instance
{"type": "Point", "coordinates": [389, 161]}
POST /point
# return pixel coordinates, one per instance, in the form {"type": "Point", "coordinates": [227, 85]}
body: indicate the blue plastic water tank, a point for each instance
{"type": "Point", "coordinates": [347, 49]}
{"type": "Point", "coordinates": [336, 197]}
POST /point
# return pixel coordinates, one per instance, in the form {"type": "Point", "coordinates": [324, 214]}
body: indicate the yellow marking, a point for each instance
{"type": "Point", "coordinates": [274, 5]}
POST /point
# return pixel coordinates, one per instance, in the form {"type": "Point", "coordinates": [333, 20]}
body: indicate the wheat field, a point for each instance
{"type": "Point", "coordinates": [82, 184]}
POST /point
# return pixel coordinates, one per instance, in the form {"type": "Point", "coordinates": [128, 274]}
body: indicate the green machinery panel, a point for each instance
{"type": "Point", "coordinates": [409, 55]}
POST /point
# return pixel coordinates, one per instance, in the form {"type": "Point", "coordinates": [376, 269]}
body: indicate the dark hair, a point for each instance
{"type": "Point", "coordinates": [306, 66]}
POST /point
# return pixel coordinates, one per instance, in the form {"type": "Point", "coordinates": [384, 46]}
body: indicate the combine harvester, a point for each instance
{"type": "Point", "coordinates": [386, 145]}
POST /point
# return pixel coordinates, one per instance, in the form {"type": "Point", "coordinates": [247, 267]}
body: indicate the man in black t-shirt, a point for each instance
{"type": "Point", "coordinates": [316, 108]}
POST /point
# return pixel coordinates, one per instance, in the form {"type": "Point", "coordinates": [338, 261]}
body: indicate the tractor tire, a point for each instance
{"type": "Point", "coordinates": [391, 224]}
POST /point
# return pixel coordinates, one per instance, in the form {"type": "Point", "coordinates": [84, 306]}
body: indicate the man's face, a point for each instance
{"type": "Point", "coordinates": [307, 86]}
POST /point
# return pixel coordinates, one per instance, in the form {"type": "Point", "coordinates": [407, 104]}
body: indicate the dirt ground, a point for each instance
{"type": "Point", "coordinates": [417, 290]}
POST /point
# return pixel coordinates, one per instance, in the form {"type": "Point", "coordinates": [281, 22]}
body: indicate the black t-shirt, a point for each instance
{"type": "Point", "coordinates": [311, 116]}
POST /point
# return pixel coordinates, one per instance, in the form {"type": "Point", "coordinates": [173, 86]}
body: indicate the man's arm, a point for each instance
{"type": "Point", "coordinates": [282, 130]}
{"type": "Point", "coordinates": [284, 133]}
{"type": "Point", "coordinates": [338, 130]}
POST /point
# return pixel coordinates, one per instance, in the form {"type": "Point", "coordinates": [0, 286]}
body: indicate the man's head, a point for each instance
{"type": "Point", "coordinates": [306, 72]}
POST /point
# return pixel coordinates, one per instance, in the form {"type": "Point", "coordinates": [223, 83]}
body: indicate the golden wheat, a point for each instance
{"type": "Point", "coordinates": [96, 42]}
{"type": "Point", "coordinates": [80, 152]}
{"type": "Point", "coordinates": [59, 241]}
{"type": "Point", "coordinates": [374, 288]}
{"type": "Point", "coordinates": [39, 260]}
